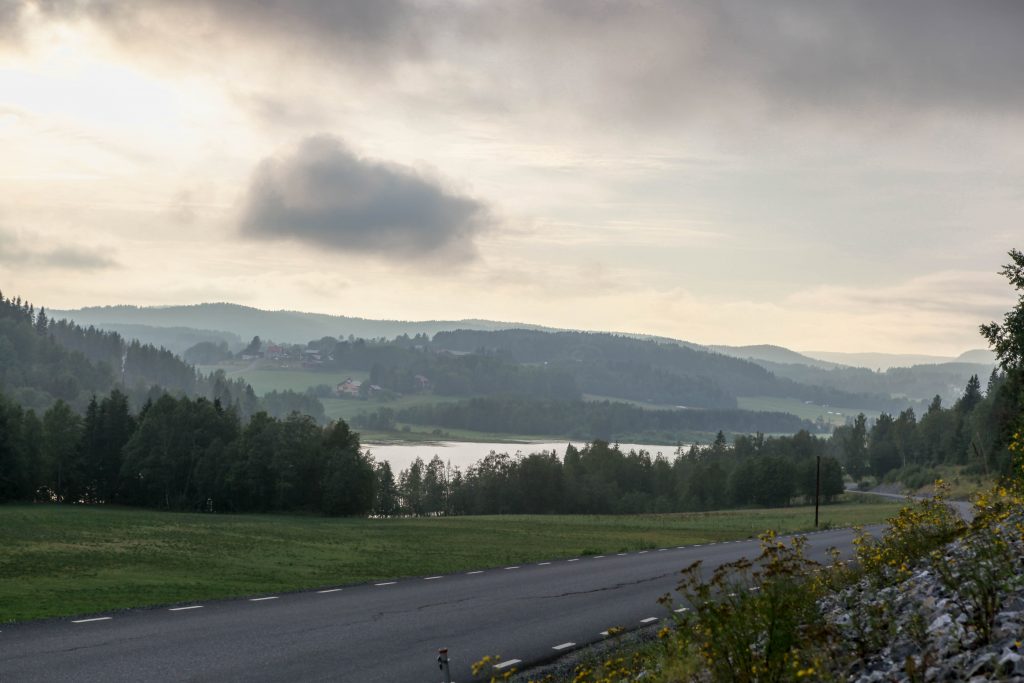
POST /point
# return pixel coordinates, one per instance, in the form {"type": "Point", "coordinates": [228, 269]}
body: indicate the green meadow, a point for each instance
{"type": "Point", "coordinates": [67, 560]}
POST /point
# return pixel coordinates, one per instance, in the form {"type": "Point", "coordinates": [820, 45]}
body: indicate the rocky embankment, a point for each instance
{"type": "Point", "coordinates": [959, 616]}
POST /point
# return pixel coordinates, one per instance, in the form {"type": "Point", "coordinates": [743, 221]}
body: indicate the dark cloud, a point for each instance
{"type": "Point", "coordinates": [641, 61]}
{"type": "Point", "coordinates": [15, 250]}
{"type": "Point", "coordinates": [324, 195]}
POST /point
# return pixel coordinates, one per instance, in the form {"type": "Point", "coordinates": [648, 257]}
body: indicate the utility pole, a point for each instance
{"type": "Point", "coordinates": [817, 490]}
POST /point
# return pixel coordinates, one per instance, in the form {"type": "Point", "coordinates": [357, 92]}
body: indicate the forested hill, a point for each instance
{"type": "Point", "coordinates": [918, 382]}
{"type": "Point", "coordinates": [43, 360]}
{"type": "Point", "coordinates": [645, 370]}
{"type": "Point", "coordinates": [291, 327]}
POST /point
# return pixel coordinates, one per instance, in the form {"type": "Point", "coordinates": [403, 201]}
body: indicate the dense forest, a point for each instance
{"type": "Point", "coordinates": [651, 371]}
{"type": "Point", "coordinates": [181, 454]}
{"type": "Point", "coordinates": [941, 379]}
{"type": "Point", "coordinates": [43, 360]}
{"type": "Point", "coordinates": [578, 419]}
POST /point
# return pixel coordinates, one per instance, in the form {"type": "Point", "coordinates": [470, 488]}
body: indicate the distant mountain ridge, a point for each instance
{"type": "Point", "coordinates": [884, 361]}
{"type": "Point", "coordinates": [246, 322]}
{"type": "Point", "coordinates": [233, 322]}
{"type": "Point", "coordinates": [772, 354]}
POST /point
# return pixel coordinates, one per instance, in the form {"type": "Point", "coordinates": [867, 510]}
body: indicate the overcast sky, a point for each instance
{"type": "Point", "coordinates": [845, 176]}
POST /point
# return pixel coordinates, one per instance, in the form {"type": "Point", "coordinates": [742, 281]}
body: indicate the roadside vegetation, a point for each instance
{"type": "Point", "coordinates": [66, 560]}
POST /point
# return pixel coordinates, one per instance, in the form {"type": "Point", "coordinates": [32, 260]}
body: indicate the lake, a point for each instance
{"type": "Point", "coordinates": [465, 453]}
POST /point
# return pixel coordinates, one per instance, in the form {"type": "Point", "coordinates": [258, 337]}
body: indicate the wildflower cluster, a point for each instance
{"type": "Point", "coordinates": [917, 529]}
{"type": "Point", "coordinates": [754, 621]}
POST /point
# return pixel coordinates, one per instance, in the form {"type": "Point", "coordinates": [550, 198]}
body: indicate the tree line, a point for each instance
{"type": "Point", "coordinates": [181, 453]}
{"type": "Point", "coordinates": [600, 478]}
{"type": "Point", "coordinates": [973, 431]}
{"type": "Point", "coordinates": [579, 419]}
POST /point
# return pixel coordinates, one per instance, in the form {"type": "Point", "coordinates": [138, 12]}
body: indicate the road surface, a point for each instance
{"type": "Point", "coordinates": [386, 632]}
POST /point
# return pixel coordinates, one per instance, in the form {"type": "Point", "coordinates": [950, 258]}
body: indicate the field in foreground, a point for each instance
{"type": "Point", "coordinates": [78, 560]}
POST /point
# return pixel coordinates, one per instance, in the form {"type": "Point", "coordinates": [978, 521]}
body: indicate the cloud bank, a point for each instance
{"type": "Point", "coordinates": [644, 61]}
{"type": "Point", "coordinates": [326, 196]}
{"type": "Point", "coordinates": [15, 251]}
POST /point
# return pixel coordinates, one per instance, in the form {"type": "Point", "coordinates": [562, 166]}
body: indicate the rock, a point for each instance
{"type": "Point", "coordinates": [941, 623]}
{"type": "Point", "coordinates": [1010, 664]}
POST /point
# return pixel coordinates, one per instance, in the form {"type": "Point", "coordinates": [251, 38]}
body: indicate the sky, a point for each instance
{"type": "Point", "coordinates": [831, 175]}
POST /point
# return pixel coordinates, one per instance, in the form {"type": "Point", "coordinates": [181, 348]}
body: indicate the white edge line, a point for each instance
{"type": "Point", "coordinates": [182, 609]}
{"type": "Point", "coordinates": [562, 646]}
{"type": "Point", "coordinates": [508, 663]}
{"type": "Point", "coordinates": [269, 597]}
{"type": "Point", "coordinates": [330, 590]}
{"type": "Point", "coordinates": [86, 621]}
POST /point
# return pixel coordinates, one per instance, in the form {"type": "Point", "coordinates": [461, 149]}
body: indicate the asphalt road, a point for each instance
{"type": "Point", "coordinates": [387, 632]}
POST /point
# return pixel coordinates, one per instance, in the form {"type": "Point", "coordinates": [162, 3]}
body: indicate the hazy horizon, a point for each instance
{"type": "Point", "coordinates": [835, 176]}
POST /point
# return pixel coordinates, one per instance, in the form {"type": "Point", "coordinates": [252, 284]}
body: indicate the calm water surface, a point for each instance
{"type": "Point", "coordinates": [464, 453]}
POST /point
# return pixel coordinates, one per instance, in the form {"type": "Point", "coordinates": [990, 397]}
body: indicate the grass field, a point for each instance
{"type": "Point", "coordinates": [346, 408]}
{"type": "Point", "coordinates": [264, 379]}
{"type": "Point", "coordinates": [834, 416]}
{"type": "Point", "coordinates": [79, 560]}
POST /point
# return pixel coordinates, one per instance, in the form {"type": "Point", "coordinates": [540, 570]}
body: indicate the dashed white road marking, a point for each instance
{"type": "Point", "coordinates": [682, 609]}
{"type": "Point", "coordinates": [621, 554]}
{"type": "Point", "coordinates": [661, 550]}
{"type": "Point", "coordinates": [680, 547]}
{"type": "Point", "coordinates": [642, 552]}
{"type": "Point", "coordinates": [648, 620]}
{"type": "Point", "coordinates": [478, 571]}
{"type": "Point", "coordinates": [754, 588]}
{"type": "Point", "coordinates": [269, 597]}
{"type": "Point", "coordinates": [386, 583]}
{"type": "Point", "coordinates": [513, 567]}
{"type": "Point", "coordinates": [507, 664]}
{"type": "Point", "coordinates": [543, 564]}
{"type": "Point", "coordinates": [563, 646]}
{"type": "Point", "coordinates": [597, 557]}
{"type": "Point", "coordinates": [330, 590]}
{"type": "Point", "coordinates": [86, 621]}
{"type": "Point", "coordinates": [575, 559]}
{"type": "Point", "coordinates": [182, 609]}
{"type": "Point", "coordinates": [432, 578]}
{"type": "Point", "coordinates": [604, 633]}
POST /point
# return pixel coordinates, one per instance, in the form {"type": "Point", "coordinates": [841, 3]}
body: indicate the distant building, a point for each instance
{"type": "Point", "coordinates": [350, 387]}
